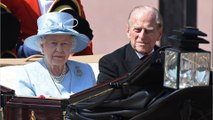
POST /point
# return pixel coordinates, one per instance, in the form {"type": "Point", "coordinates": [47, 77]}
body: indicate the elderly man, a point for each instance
{"type": "Point", "coordinates": [144, 29]}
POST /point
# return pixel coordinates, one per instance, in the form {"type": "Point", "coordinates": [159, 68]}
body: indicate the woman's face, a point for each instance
{"type": "Point", "coordinates": [56, 49]}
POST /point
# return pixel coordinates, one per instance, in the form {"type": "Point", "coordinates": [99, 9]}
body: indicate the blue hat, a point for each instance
{"type": "Point", "coordinates": [57, 23]}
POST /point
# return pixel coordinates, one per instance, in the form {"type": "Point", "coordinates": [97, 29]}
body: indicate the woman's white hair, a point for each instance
{"type": "Point", "coordinates": [43, 38]}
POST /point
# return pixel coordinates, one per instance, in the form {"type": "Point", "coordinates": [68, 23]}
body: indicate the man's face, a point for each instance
{"type": "Point", "coordinates": [143, 32]}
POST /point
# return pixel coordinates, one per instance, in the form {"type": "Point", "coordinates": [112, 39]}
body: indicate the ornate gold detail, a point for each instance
{"type": "Point", "coordinates": [32, 116]}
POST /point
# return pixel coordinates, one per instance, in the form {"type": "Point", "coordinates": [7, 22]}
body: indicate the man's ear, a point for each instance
{"type": "Point", "coordinates": [160, 33]}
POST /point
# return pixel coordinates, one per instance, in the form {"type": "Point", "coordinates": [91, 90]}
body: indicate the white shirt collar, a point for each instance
{"type": "Point", "coordinates": [45, 5]}
{"type": "Point", "coordinates": [141, 55]}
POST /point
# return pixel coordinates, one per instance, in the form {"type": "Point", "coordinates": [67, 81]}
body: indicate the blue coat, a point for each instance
{"type": "Point", "coordinates": [35, 80]}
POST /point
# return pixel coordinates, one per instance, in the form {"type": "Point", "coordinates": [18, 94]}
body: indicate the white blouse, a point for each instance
{"type": "Point", "coordinates": [44, 5]}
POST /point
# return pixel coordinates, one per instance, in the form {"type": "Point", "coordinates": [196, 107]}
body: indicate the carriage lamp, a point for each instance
{"type": "Point", "coordinates": [186, 65]}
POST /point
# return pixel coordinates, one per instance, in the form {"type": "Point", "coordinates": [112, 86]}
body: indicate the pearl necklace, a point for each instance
{"type": "Point", "coordinates": [60, 78]}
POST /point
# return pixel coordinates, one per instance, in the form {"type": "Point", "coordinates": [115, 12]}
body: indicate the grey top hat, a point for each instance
{"type": "Point", "coordinates": [57, 23]}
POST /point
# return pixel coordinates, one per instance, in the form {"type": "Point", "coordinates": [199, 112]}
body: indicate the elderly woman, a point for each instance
{"type": "Point", "coordinates": [55, 75]}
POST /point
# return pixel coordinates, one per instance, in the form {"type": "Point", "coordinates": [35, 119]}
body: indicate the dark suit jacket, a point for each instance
{"type": "Point", "coordinates": [118, 63]}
